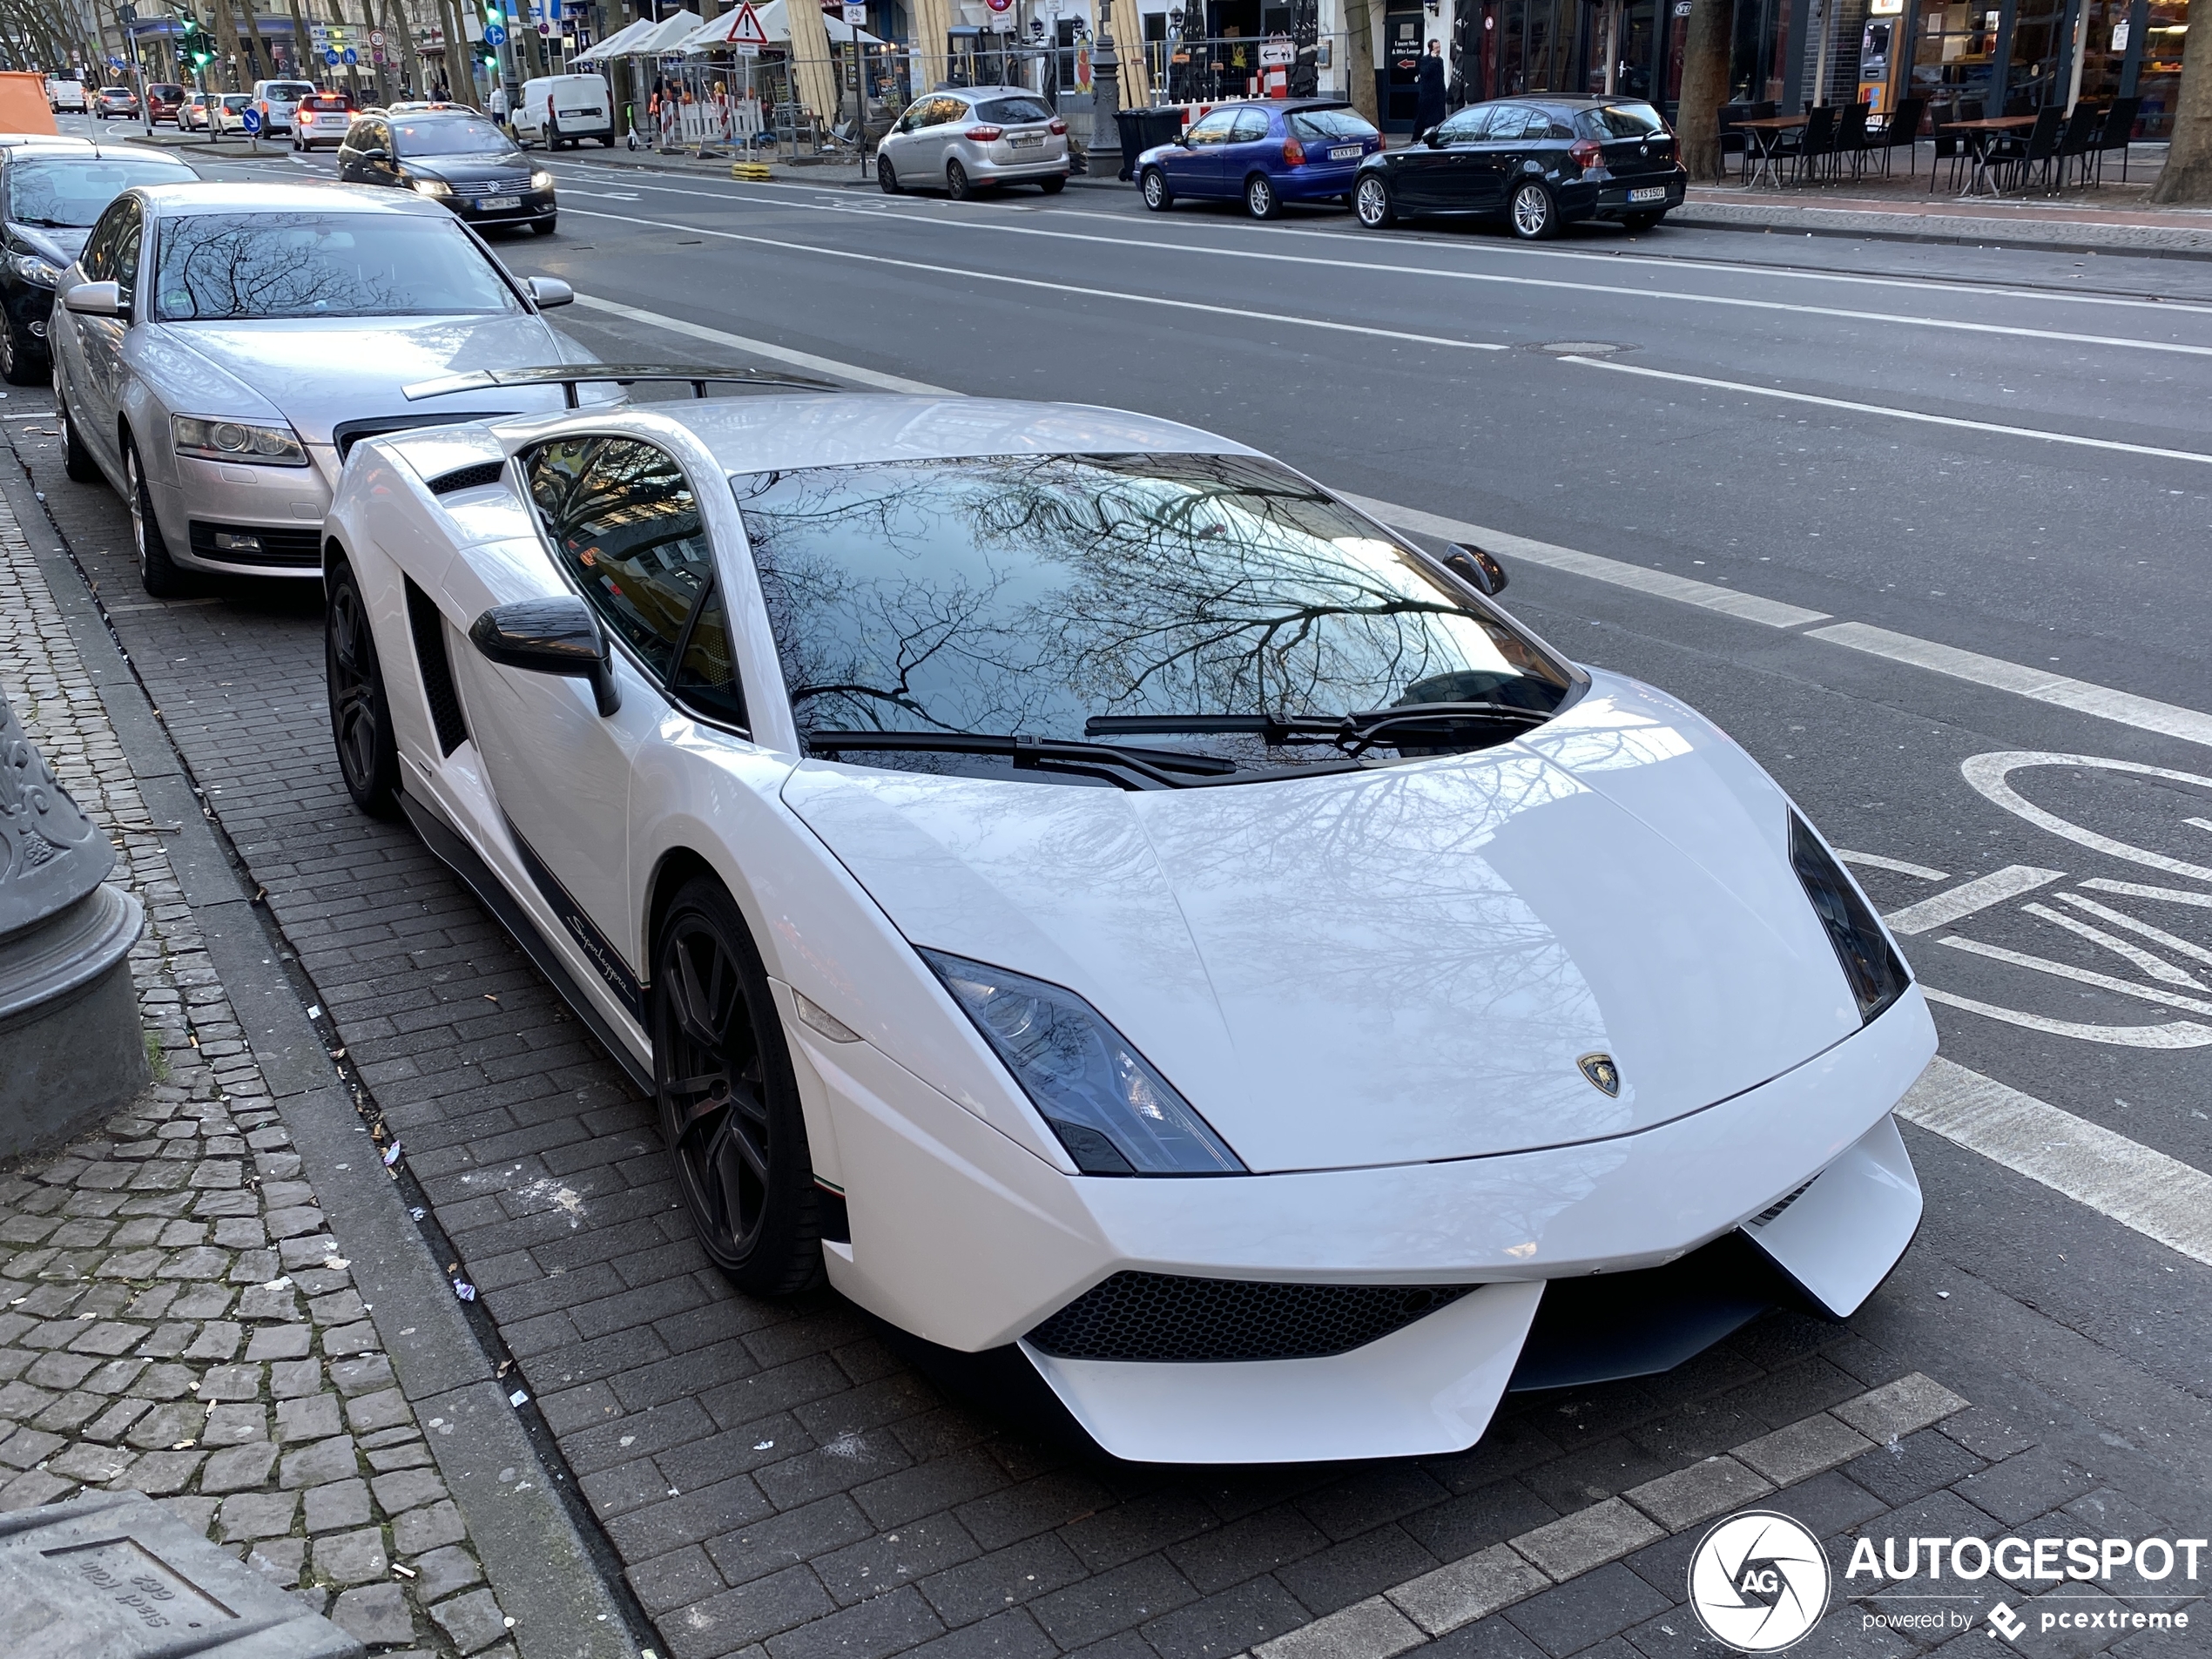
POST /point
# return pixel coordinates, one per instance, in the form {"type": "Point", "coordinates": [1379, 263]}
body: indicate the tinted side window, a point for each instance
{"type": "Point", "coordinates": [1250, 125]}
{"type": "Point", "coordinates": [99, 257]}
{"type": "Point", "coordinates": [1215, 128]}
{"type": "Point", "coordinates": [128, 231]}
{"type": "Point", "coordinates": [1466, 127]}
{"type": "Point", "coordinates": [945, 111]}
{"type": "Point", "coordinates": [706, 668]}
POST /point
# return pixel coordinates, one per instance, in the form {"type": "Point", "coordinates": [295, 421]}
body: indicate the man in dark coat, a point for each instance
{"type": "Point", "coordinates": [1429, 106]}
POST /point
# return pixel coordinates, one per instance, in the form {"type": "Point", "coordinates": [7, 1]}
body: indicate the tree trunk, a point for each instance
{"type": "Point", "coordinates": [1705, 87]}
{"type": "Point", "coordinates": [259, 54]}
{"type": "Point", "coordinates": [2188, 177]}
{"type": "Point", "coordinates": [1359, 57]}
{"type": "Point", "coordinates": [303, 46]}
{"type": "Point", "coordinates": [225, 49]}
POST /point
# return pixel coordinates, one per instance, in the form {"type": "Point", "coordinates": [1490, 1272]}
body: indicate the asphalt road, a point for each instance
{"type": "Point", "coordinates": [1960, 450]}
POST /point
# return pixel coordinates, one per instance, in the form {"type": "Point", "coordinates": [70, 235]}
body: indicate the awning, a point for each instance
{"type": "Point", "coordinates": [773, 23]}
{"type": "Point", "coordinates": [620, 44]}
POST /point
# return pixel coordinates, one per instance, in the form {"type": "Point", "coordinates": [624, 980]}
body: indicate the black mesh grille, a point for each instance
{"type": "Point", "coordinates": [287, 548]}
{"type": "Point", "coordinates": [429, 629]}
{"type": "Point", "coordinates": [1163, 1316]}
{"type": "Point", "coordinates": [475, 477]}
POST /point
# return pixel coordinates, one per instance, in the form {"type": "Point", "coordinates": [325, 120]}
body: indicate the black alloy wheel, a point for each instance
{"type": "Point", "coordinates": [1533, 215]}
{"type": "Point", "coordinates": [158, 573]}
{"type": "Point", "coordinates": [77, 459]}
{"type": "Point", "coordinates": [1371, 201]}
{"type": "Point", "coordinates": [729, 1104]}
{"type": "Point", "coordinates": [887, 176]}
{"type": "Point", "coordinates": [361, 715]}
{"type": "Point", "coordinates": [1261, 201]}
{"type": "Point", "coordinates": [956, 182]}
{"type": "Point", "coordinates": [1158, 195]}
{"type": "Point", "coordinates": [23, 359]}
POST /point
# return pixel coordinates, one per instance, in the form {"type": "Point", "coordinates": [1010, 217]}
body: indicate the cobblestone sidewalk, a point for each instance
{"type": "Point", "coordinates": [174, 1315]}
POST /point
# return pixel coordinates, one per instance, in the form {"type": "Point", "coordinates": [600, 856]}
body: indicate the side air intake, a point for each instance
{"type": "Point", "coordinates": [1164, 1316]}
{"type": "Point", "coordinates": [475, 477]}
{"type": "Point", "coordinates": [429, 631]}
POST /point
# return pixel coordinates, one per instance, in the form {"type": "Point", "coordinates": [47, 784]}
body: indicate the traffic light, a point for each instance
{"type": "Point", "coordinates": [195, 49]}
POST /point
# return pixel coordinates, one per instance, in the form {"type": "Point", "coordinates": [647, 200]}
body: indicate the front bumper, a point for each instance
{"type": "Point", "coordinates": [968, 1241]}
{"type": "Point", "coordinates": [534, 205]}
{"type": "Point", "coordinates": [212, 505]}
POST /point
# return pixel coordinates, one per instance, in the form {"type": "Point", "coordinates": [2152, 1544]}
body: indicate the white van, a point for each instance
{"type": "Point", "coordinates": [274, 101]}
{"type": "Point", "coordinates": [63, 94]}
{"type": "Point", "coordinates": [555, 110]}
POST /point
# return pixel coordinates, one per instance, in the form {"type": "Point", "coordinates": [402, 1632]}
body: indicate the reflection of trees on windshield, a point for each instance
{"type": "Point", "coordinates": [1026, 593]}
{"type": "Point", "coordinates": [230, 266]}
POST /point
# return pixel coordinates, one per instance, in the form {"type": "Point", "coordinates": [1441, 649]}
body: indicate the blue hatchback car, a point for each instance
{"type": "Point", "coordinates": [1268, 152]}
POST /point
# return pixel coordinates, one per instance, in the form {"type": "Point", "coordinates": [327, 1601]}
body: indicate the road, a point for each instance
{"type": "Point", "coordinates": [1921, 527]}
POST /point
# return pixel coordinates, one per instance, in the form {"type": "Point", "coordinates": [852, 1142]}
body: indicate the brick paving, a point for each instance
{"type": "Point", "coordinates": [174, 1316]}
{"type": "Point", "coordinates": [777, 1484]}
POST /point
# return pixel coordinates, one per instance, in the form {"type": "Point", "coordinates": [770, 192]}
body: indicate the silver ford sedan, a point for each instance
{"type": "Point", "coordinates": [218, 348]}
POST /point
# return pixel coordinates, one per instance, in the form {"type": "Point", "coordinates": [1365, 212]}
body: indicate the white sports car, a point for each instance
{"type": "Point", "coordinates": [1132, 919]}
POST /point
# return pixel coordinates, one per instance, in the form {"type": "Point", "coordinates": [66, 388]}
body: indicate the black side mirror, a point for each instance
{"type": "Point", "coordinates": [376, 153]}
{"type": "Point", "coordinates": [1479, 569]}
{"type": "Point", "coordinates": [1182, 140]}
{"type": "Point", "coordinates": [1434, 138]}
{"type": "Point", "coordinates": [550, 636]}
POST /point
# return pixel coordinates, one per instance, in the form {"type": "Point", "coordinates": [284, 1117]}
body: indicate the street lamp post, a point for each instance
{"type": "Point", "coordinates": [1105, 96]}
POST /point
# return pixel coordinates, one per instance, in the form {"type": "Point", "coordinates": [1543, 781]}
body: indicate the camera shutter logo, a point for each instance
{"type": "Point", "coordinates": [1759, 1582]}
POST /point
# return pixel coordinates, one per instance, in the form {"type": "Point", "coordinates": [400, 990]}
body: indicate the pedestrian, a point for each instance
{"type": "Point", "coordinates": [499, 102]}
{"type": "Point", "coordinates": [1428, 97]}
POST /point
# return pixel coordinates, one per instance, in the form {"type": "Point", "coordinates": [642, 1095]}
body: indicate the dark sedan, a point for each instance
{"type": "Point", "coordinates": [1539, 163]}
{"type": "Point", "coordinates": [452, 156]}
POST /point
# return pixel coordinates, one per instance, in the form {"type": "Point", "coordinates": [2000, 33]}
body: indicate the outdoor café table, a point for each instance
{"type": "Point", "coordinates": [1766, 132]}
{"type": "Point", "coordinates": [1979, 135]}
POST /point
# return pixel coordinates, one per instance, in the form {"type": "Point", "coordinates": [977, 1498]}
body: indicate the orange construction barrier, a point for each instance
{"type": "Point", "coordinates": [23, 103]}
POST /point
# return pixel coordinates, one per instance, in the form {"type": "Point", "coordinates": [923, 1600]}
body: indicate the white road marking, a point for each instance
{"type": "Point", "coordinates": [764, 348]}
{"type": "Point", "coordinates": [1989, 776]}
{"type": "Point", "coordinates": [1618, 572]}
{"type": "Point", "coordinates": [2137, 890]}
{"type": "Point", "coordinates": [1894, 414]}
{"type": "Point", "coordinates": [2123, 708]}
{"type": "Point", "coordinates": [2159, 1197]}
{"type": "Point", "coordinates": [1876, 862]}
{"type": "Point", "coordinates": [1969, 896]}
{"type": "Point", "coordinates": [2157, 967]}
{"type": "Point", "coordinates": [970, 274]}
{"type": "Point", "coordinates": [2198, 823]}
{"type": "Point", "coordinates": [2084, 976]}
{"type": "Point", "coordinates": [2176, 1033]}
{"type": "Point", "coordinates": [2157, 935]}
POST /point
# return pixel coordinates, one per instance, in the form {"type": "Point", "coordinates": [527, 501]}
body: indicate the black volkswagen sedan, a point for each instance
{"type": "Point", "coordinates": [1539, 163]}
{"type": "Point", "coordinates": [454, 156]}
{"type": "Point", "coordinates": [50, 196]}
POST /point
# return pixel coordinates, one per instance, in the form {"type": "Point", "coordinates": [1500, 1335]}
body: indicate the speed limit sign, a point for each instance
{"type": "Point", "coordinates": [376, 36]}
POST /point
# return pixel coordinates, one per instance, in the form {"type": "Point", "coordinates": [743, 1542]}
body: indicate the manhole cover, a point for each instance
{"type": "Point", "coordinates": [1582, 347]}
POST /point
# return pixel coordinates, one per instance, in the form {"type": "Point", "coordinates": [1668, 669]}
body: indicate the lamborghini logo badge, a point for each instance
{"type": "Point", "coordinates": [1601, 1072]}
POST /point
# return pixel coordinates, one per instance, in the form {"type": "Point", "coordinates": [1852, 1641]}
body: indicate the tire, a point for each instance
{"type": "Point", "coordinates": [728, 1101]}
{"type": "Point", "coordinates": [23, 359]}
{"type": "Point", "coordinates": [544, 226]}
{"type": "Point", "coordinates": [361, 715]}
{"type": "Point", "coordinates": [77, 459]}
{"type": "Point", "coordinates": [609, 141]}
{"type": "Point", "coordinates": [158, 573]}
{"type": "Point", "coordinates": [956, 183]}
{"type": "Point", "coordinates": [1158, 195]}
{"type": "Point", "coordinates": [1371, 201]}
{"type": "Point", "coordinates": [1052, 186]}
{"type": "Point", "coordinates": [1262, 200]}
{"type": "Point", "coordinates": [886, 177]}
{"type": "Point", "coordinates": [1533, 213]}
{"type": "Point", "coordinates": [1638, 223]}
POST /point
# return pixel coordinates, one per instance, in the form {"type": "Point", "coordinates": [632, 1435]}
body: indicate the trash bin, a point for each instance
{"type": "Point", "coordinates": [1142, 130]}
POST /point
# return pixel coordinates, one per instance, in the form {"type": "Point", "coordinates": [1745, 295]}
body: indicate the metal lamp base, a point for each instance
{"type": "Point", "coordinates": [72, 1049]}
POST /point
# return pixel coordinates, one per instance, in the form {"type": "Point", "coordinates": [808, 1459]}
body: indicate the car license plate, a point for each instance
{"type": "Point", "coordinates": [1653, 193]}
{"type": "Point", "coordinates": [1344, 152]}
{"type": "Point", "coordinates": [493, 204]}
{"type": "Point", "coordinates": [1028, 141]}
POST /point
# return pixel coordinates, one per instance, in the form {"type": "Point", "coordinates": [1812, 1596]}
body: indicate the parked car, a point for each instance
{"type": "Point", "coordinates": [966, 138]}
{"type": "Point", "coordinates": [65, 94]}
{"type": "Point", "coordinates": [1333, 977]}
{"type": "Point", "coordinates": [321, 119]}
{"type": "Point", "coordinates": [275, 100]}
{"type": "Point", "coordinates": [192, 117]}
{"type": "Point", "coordinates": [1539, 163]}
{"type": "Point", "coordinates": [217, 390]}
{"type": "Point", "coordinates": [1266, 153]}
{"type": "Point", "coordinates": [452, 157]}
{"type": "Point", "coordinates": [163, 100]}
{"type": "Point", "coordinates": [49, 197]}
{"type": "Point", "coordinates": [115, 100]}
{"type": "Point", "coordinates": [227, 113]}
{"type": "Point", "coordinates": [556, 110]}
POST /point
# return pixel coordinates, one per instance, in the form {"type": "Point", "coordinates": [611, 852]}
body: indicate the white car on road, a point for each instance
{"type": "Point", "coordinates": [1142, 928]}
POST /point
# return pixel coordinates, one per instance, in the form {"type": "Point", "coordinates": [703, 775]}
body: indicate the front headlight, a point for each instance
{"type": "Point", "coordinates": [541, 179]}
{"type": "Point", "coordinates": [41, 273]}
{"type": "Point", "coordinates": [431, 186]}
{"type": "Point", "coordinates": [260, 446]}
{"type": "Point", "coordinates": [1877, 977]}
{"type": "Point", "coordinates": [1113, 1112]}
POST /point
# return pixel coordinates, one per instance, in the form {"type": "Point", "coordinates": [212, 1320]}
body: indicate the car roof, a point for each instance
{"type": "Point", "coordinates": [988, 91]}
{"type": "Point", "coordinates": [100, 152]}
{"type": "Point", "coordinates": [207, 195]}
{"type": "Point", "coordinates": [1288, 105]}
{"type": "Point", "coordinates": [1566, 101]}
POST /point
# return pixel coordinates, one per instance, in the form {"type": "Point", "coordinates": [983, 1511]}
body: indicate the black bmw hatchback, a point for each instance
{"type": "Point", "coordinates": [454, 156]}
{"type": "Point", "coordinates": [1539, 163]}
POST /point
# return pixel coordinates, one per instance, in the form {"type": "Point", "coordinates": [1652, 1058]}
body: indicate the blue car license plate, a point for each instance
{"type": "Point", "coordinates": [1344, 152]}
{"type": "Point", "coordinates": [1650, 193]}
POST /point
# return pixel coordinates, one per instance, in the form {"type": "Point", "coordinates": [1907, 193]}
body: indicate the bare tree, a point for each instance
{"type": "Point", "coordinates": [1705, 87]}
{"type": "Point", "coordinates": [2188, 176]}
{"type": "Point", "coordinates": [1360, 57]}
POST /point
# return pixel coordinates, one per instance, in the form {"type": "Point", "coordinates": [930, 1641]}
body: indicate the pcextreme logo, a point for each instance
{"type": "Point", "coordinates": [1759, 1582]}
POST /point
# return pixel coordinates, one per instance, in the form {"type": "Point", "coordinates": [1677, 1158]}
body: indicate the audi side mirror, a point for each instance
{"type": "Point", "coordinates": [95, 299]}
{"type": "Point", "coordinates": [550, 290]}
{"type": "Point", "coordinates": [550, 636]}
{"type": "Point", "coordinates": [1479, 569]}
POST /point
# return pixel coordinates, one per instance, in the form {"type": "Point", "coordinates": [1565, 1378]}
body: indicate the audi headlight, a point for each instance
{"type": "Point", "coordinates": [431, 187]}
{"type": "Point", "coordinates": [41, 273]}
{"type": "Point", "coordinates": [1113, 1112]}
{"type": "Point", "coordinates": [1877, 977]}
{"type": "Point", "coordinates": [541, 179]}
{"type": "Point", "coordinates": [260, 446]}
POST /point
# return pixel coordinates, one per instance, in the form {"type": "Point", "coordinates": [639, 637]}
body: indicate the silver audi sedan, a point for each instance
{"type": "Point", "coordinates": [218, 348]}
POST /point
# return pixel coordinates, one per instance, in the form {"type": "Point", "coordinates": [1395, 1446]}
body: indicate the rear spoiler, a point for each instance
{"type": "Point", "coordinates": [569, 376]}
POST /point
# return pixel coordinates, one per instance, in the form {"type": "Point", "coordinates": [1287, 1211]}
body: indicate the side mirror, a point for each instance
{"type": "Point", "coordinates": [1182, 140]}
{"type": "Point", "coordinates": [550, 636]}
{"type": "Point", "coordinates": [1479, 569]}
{"type": "Point", "coordinates": [1434, 138]}
{"type": "Point", "coordinates": [376, 153]}
{"type": "Point", "coordinates": [95, 299]}
{"type": "Point", "coordinates": [550, 290]}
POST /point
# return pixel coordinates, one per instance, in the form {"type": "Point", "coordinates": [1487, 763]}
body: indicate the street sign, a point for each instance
{"type": "Point", "coordinates": [856, 14]}
{"type": "Point", "coordinates": [1001, 5]}
{"type": "Point", "coordinates": [745, 48]}
{"type": "Point", "coordinates": [545, 29]}
{"type": "Point", "coordinates": [494, 35]}
{"type": "Point", "coordinates": [330, 58]}
{"type": "Point", "coordinates": [350, 56]}
{"type": "Point", "coordinates": [376, 36]}
{"type": "Point", "coordinates": [748, 31]}
{"type": "Point", "coordinates": [252, 120]}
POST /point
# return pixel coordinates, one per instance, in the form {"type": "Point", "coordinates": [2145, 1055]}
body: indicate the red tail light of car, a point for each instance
{"type": "Point", "coordinates": [1587, 153]}
{"type": "Point", "coordinates": [1293, 153]}
{"type": "Point", "coordinates": [1058, 129]}
{"type": "Point", "coordinates": [984, 135]}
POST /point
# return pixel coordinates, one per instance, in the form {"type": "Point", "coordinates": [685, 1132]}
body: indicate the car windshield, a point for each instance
{"type": "Point", "coordinates": [289, 89]}
{"type": "Point", "coordinates": [1011, 112]}
{"type": "Point", "coordinates": [1034, 594]}
{"type": "Point", "coordinates": [66, 194]}
{"type": "Point", "coordinates": [1331, 124]}
{"type": "Point", "coordinates": [245, 266]}
{"type": "Point", "coordinates": [448, 135]}
{"type": "Point", "coordinates": [1621, 121]}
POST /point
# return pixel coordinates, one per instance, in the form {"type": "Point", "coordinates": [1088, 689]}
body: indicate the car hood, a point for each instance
{"type": "Point", "coordinates": [59, 243]}
{"type": "Point", "coordinates": [317, 373]}
{"type": "Point", "coordinates": [467, 169]}
{"type": "Point", "coordinates": [1400, 965]}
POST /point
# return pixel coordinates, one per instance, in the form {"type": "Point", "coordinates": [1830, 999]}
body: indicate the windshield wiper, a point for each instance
{"type": "Point", "coordinates": [1354, 733]}
{"type": "Point", "coordinates": [1130, 768]}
